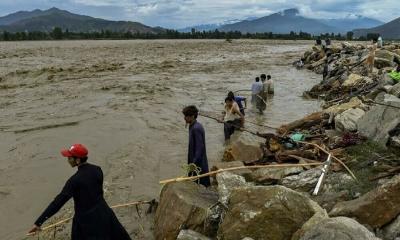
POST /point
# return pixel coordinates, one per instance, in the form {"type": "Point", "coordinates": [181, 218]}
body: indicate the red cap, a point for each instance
{"type": "Point", "coordinates": [76, 150]}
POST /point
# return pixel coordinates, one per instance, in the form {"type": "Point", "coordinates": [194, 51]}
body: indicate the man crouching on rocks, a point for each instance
{"type": "Point", "coordinates": [197, 144]}
{"type": "Point", "coordinates": [93, 218]}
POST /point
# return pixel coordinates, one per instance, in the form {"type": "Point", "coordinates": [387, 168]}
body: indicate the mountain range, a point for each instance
{"type": "Point", "coordinates": [280, 22]}
{"type": "Point", "coordinates": [47, 20]}
{"type": "Point", "coordinates": [390, 30]}
{"type": "Point", "coordinates": [290, 20]}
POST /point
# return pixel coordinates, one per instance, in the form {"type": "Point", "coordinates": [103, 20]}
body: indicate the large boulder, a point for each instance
{"type": "Point", "coordinates": [395, 90]}
{"type": "Point", "coordinates": [227, 181]}
{"type": "Point", "coordinates": [246, 173]}
{"type": "Point", "coordinates": [314, 220]}
{"type": "Point", "coordinates": [380, 120]}
{"type": "Point", "coordinates": [340, 228]}
{"type": "Point", "coordinates": [347, 121]}
{"type": "Point", "coordinates": [348, 47]}
{"type": "Point", "coordinates": [191, 235]}
{"type": "Point", "coordinates": [387, 55]}
{"type": "Point", "coordinates": [382, 63]}
{"type": "Point", "coordinates": [244, 147]}
{"type": "Point", "coordinates": [273, 175]}
{"type": "Point", "coordinates": [355, 79]}
{"type": "Point", "coordinates": [304, 181]}
{"type": "Point", "coordinates": [392, 231]}
{"type": "Point", "coordinates": [266, 212]}
{"type": "Point", "coordinates": [375, 208]}
{"type": "Point", "coordinates": [183, 205]}
{"type": "Point", "coordinates": [385, 58]}
{"type": "Point", "coordinates": [336, 109]}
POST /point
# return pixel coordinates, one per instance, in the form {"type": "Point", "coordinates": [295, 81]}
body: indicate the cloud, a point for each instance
{"type": "Point", "coordinates": [182, 13]}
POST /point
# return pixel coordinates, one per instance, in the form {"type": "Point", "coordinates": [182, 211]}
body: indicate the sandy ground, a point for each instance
{"type": "Point", "coordinates": [123, 99]}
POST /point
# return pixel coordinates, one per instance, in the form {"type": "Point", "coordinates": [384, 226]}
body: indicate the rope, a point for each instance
{"type": "Point", "coordinates": [113, 207]}
{"type": "Point", "coordinates": [230, 124]}
{"type": "Point", "coordinates": [204, 114]}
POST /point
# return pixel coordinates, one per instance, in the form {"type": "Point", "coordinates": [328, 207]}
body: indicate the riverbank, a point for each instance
{"type": "Point", "coordinates": [354, 137]}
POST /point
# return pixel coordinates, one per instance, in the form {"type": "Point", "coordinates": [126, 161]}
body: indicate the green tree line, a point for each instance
{"type": "Point", "coordinates": [59, 34]}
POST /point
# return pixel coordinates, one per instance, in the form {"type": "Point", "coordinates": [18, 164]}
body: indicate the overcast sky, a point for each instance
{"type": "Point", "coordinates": [182, 13]}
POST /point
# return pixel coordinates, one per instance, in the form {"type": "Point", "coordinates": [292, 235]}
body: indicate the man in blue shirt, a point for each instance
{"type": "Point", "coordinates": [197, 144]}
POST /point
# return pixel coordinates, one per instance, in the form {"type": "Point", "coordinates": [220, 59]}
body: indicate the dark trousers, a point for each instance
{"type": "Point", "coordinates": [229, 128]}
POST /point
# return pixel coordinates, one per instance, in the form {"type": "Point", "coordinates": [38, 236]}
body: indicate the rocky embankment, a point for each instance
{"type": "Point", "coordinates": [358, 130]}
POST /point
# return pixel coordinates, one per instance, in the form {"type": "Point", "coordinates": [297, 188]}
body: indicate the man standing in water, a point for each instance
{"type": "Point", "coordinates": [233, 118]}
{"type": "Point", "coordinates": [197, 153]}
{"type": "Point", "coordinates": [93, 218]}
{"type": "Point", "coordinates": [256, 88]}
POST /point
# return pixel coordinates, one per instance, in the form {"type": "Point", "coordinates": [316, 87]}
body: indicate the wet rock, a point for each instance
{"type": "Point", "coordinates": [318, 63]}
{"type": "Point", "coordinates": [348, 48]}
{"type": "Point", "coordinates": [387, 55]}
{"type": "Point", "coordinates": [227, 181]}
{"type": "Point", "coordinates": [376, 208]}
{"type": "Point", "coordinates": [244, 147]}
{"type": "Point", "coordinates": [335, 181]}
{"type": "Point", "coordinates": [347, 121]}
{"type": "Point", "coordinates": [273, 175]}
{"type": "Point", "coordinates": [355, 79]}
{"type": "Point", "coordinates": [340, 228]}
{"type": "Point", "coordinates": [314, 220]}
{"type": "Point", "coordinates": [379, 120]}
{"type": "Point", "coordinates": [328, 200]}
{"type": "Point", "coordinates": [266, 212]}
{"type": "Point", "coordinates": [183, 205]}
{"type": "Point", "coordinates": [336, 109]}
{"type": "Point", "coordinates": [305, 181]}
{"type": "Point", "coordinates": [246, 173]}
{"type": "Point", "coordinates": [394, 141]}
{"type": "Point", "coordinates": [191, 235]}
{"type": "Point", "coordinates": [382, 63]}
{"type": "Point", "coordinates": [395, 90]}
{"type": "Point", "coordinates": [392, 231]}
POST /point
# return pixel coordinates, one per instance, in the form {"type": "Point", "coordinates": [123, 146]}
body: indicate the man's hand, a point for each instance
{"type": "Point", "coordinates": [34, 230]}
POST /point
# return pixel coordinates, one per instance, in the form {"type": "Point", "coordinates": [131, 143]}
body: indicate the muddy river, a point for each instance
{"type": "Point", "coordinates": [123, 99]}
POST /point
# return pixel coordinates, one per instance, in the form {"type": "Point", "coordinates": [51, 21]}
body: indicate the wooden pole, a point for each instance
{"type": "Point", "coordinates": [68, 219]}
{"type": "Point", "coordinates": [181, 179]}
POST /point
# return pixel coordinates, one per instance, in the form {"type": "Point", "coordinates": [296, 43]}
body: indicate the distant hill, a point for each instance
{"type": "Point", "coordinates": [290, 20]}
{"type": "Point", "coordinates": [350, 23]}
{"type": "Point", "coordinates": [47, 20]}
{"type": "Point", "coordinates": [212, 27]}
{"type": "Point", "coordinates": [390, 30]}
{"type": "Point", "coordinates": [282, 22]}
{"type": "Point", "coordinates": [200, 28]}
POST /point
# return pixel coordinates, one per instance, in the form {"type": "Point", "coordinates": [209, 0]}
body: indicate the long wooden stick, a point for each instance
{"type": "Point", "coordinates": [337, 159]}
{"type": "Point", "coordinates": [181, 179]}
{"type": "Point", "coordinates": [68, 219]}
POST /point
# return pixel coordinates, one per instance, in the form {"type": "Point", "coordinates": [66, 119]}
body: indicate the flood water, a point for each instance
{"type": "Point", "coordinates": [123, 99]}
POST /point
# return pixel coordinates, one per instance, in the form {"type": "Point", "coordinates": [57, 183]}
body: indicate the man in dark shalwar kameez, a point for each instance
{"type": "Point", "coordinates": [197, 144]}
{"type": "Point", "coordinates": [93, 218]}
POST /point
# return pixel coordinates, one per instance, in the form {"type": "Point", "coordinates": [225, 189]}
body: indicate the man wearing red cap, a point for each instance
{"type": "Point", "coordinates": [93, 218]}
